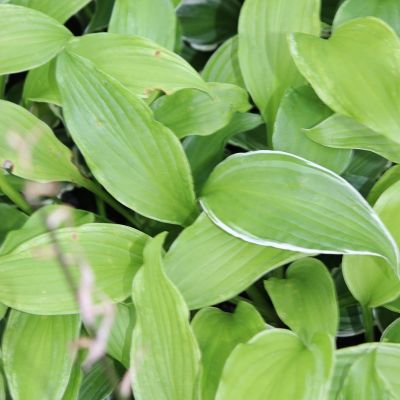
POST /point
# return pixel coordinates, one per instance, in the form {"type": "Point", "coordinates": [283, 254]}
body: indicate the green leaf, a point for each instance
{"type": "Point", "coordinates": [392, 333]}
{"type": "Point", "coordinates": [11, 219]}
{"type": "Point", "coordinates": [355, 62]}
{"type": "Point", "coordinates": [223, 65]}
{"type": "Point", "coordinates": [389, 178]}
{"type": "Point", "coordinates": [204, 113]}
{"type": "Point", "coordinates": [206, 22]}
{"type": "Point", "coordinates": [75, 380]}
{"type": "Point", "coordinates": [38, 355]}
{"type": "Point", "coordinates": [265, 60]}
{"type": "Point", "coordinates": [388, 10]}
{"type": "Point", "coordinates": [153, 19]}
{"type": "Point", "coordinates": [32, 148]}
{"type": "Point", "coordinates": [305, 299]}
{"type": "Point", "coordinates": [218, 333]}
{"type": "Point", "coordinates": [278, 365]}
{"type": "Point", "coordinates": [165, 357]}
{"type": "Point", "coordinates": [64, 216]}
{"type": "Point", "coordinates": [300, 108]}
{"type": "Point", "coordinates": [105, 119]}
{"type": "Point", "coordinates": [28, 38]}
{"type": "Point", "coordinates": [61, 10]}
{"type": "Point", "coordinates": [205, 152]}
{"type": "Point", "coordinates": [209, 266]}
{"type": "Point", "coordinates": [369, 371]}
{"type": "Point", "coordinates": [141, 65]}
{"type": "Point", "coordinates": [371, 280]}
{"type": "Point", "coordinates": [119, 342]}
{"type": "Point", "coordinates": [114, 253]}
{"type": "Point", "coordinates": [96, 384]}
{"type": "Point", "coordinates": [341, 132]}
{"type": "Point", "coordinates": [41, 85]}
{"type": "Point", "coordinates": [281, 200]}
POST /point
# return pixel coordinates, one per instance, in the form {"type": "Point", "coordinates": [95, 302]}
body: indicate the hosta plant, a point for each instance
{"type": "Point", "coordinates": [200, 200]}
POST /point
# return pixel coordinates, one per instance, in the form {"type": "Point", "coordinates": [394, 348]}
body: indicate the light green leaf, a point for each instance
{"type": "Point", "coordinates": [32, 280]}
{"type": "Point", "coordinates": [388, 10]}
{"type": "Point", "coordinates": [277, 365]}
{"type": "Point", "coordinates": [341, 132]}
{"type": "Point", "coordinates": [32, 148]}
{"type": "Point", "coordinates": [119, 342]}
{"type": "Point", "coordinates": [223, 65]}
{"type": "Point", "coordinates": [371, 280]}
{"type": "Point", "coordinates": [74, 383]}
{"type": "Point", "coordinates": [61, 10]}
{"type": "Point", "coordinates": [38, 354]}
{"type": "Point", "coordinates": [96, 384]}
{"type": "Point", "coordinates": [58, 216]}
{"type": "Point", "coordinates": [392, 332]}
{"type": "Point", "coordinates": [205, 152]}
{"type": "Point", "coordinates": [41, 85]}
{"type": "Point", "coordinates": [11, 219]}
{"type": "Point", "coordinates": [265, 60]}
{"type": "Point", "coordinates": [355, 62]}
{"type": "Point", "coordinates": [145, 167]}
{"type": "Point", "coordinates": [389, 178]}
{"type": "Point", "coordinates": [141, 65]}
{"type": "Point", "coordinates": [28, 38]}
{"type": "Point", "coordinates": [153, 19]}
{"type": "Point", "coordinates": [300, 108]}
{"type": "Point", "coordinates": [369, 371]}
{"type": "Point", "coordinates": [209, 266]}
{"type": "Point", "coordinates": [305, 299]}
{"type": "Point", "coordinates": [218, 333]}
{"type": "Point", "coordinates": [165, 357]}
{"type": "Point", "coordinates": [281, 200]}
{"type": "Point", "coordinates": [205, 113]}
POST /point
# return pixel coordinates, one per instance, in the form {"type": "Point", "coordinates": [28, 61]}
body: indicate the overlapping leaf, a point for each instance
{"type": "Point", "coordinates": [164, 356]}
{"type": "Point", "coordinates": [38, 354]}
{"type": "Point", "coordinates": [277, 199]}
{"type": "Point", "coordinates": [33, 279]}
{"type": "Point", "coordinates": [30, 148]}
{"type": "Point", "coordinates": [153, 19]}
{"type": "Point", "coordinates": [28, 38]}
{"type": "Point", "coordinates": [265, 60]}
{"type": "Point", "coordinates": [277, 365]}
{"type": "Point", "coordinates": [218, 333]}
{"type": "Point", "coordinates": [209, 266]}
{"type": "Point", "coordinates": [138, 160]}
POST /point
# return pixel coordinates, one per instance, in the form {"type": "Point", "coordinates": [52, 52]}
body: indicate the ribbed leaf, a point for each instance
{"type": "Point", "coordinates": [223, 65]}
{"type": "Point", "coordinates": [388, 10]}
{"type": "Point", "coordinates": [300, 108]}
{"type": "Point", "coordinates": [41, 85]}
{"type": "Point", "coordinates": [389, 178]}
{"type": "Point", "coordinates": [218, 333]}
{"type": "Point", "coordinates": [357, 61]}
{"type": "Point", "coordinates": [138, 63]}
{"type": "Point", "coordinates": [277, 365]}
{"type": "Point", "coordinates": [392, 333]}
{"type": "Point", "coordinates": [38, 354]}
{"type": "Point", "coordinates": [265, 60]}
{"type": "Point", "coordinates": [60, 10]}
{"type": "Point", "coordinates": [342, 132]}
{"type": "Point", "coordinates": [138, 160]}
{"type": "Point", "coordinates": [369, 371]}
{"type": "Point", "coordinates": [305, 299]}
{"type": "Point", "coordinates": [153, 19]}
{"type": "Point", "coordinates": [32, 148]}
{"type": "Point", "coordinates": [165, 358]}
{"type": "Point", "coordinates": [28, 38]}
{"type": "Point", "coordinates": [32, 280]}
{"type": "Point", "coordinates": [277, 199]}
{"type": "Point", "coordinates": [205, 113]}
{"type": "Point", "coordinates": [370, 279]}
{"type": "Point", "coordinates": [12, 219]}
{"type": "Point", "coordinates": [209, 266]}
